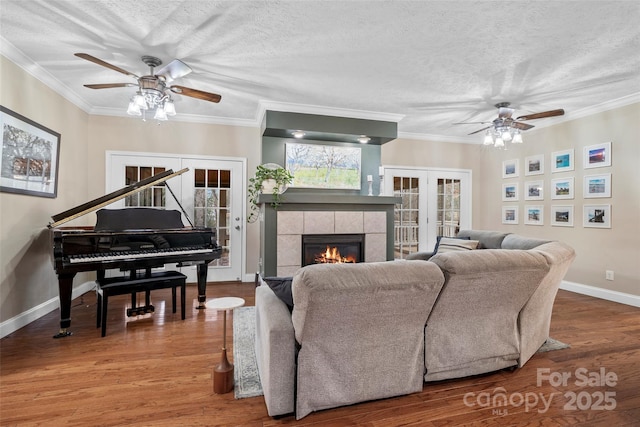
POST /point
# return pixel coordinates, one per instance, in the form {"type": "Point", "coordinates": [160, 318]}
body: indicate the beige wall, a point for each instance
{"type": "Point", "coordinates": [597, 249]}
{"type": "Point", "coordinates": [27, 277]}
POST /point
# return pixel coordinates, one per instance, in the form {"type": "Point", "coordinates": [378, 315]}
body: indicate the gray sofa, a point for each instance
{"type": "Point", "coordinates": [360, 332]}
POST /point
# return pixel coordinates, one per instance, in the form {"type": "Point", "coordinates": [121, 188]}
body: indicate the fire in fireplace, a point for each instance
{"type": "Point", "coordinates": [332, 248]}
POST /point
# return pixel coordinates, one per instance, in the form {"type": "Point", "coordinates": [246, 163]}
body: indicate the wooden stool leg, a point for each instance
{"type": "Point", "coordinates": [223, 372]}
{"type": "Point", "coordinates": [183, 296]}
{"type": "Point", "coordinates": [173, 297]}
{"type": "Point", "coordinates": [105, 302]}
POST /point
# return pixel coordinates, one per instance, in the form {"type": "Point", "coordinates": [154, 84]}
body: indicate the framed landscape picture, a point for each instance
{"type": "Point", "coordinates": [324, 166]}
{"type": "Point", "coordinates": [510, 192]}
{"type": "Point", "coordinates": [509, 214]}
{"type": "Point", "coordinates": [533, 190]}
{"type": "Point", "coordinates": [562, 161]}
{"type": "Point", "coordinates": [597, 186]}
{"type": "Point", "coordinates": [562, 216]}
{"type": "Point", "coordinates": [597, 156]}
{"type": "Point", "coordinates": [596, 216]}
{"type": "Point", "coordinates": [562, 188]}
{"type": "Point", "coordinates": [29, 154]}
{"type": "Point", "coordinates": [511, 168]}
{"type": "Point", "coordinates": [534, 165]}
{"type": "Point", "coordinates": [533, 215]}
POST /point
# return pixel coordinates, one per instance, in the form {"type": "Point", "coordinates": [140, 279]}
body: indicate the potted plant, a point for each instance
{"type": "Point", "coordinates": [271, 179]}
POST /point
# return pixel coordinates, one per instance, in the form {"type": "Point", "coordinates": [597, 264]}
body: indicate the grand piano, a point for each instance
{"type": "Point", "coordinates": [128, 239]}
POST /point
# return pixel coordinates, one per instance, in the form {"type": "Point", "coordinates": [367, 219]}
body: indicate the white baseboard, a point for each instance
{"type": "Point", "coordinates": [609, 295]}
{"type": "Point", "coordinates": [11, 325]}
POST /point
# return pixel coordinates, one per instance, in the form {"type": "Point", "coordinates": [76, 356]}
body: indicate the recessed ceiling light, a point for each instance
{"type": "Point", "coordinates": [298, 134]}
{"type": "Point", "coordinates": [363, 139]}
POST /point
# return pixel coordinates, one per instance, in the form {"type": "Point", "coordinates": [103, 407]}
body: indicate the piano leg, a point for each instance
{"type": "Point", "coordinates": [202, 285]}
{"type": "Point", "coordinates": [65, 289]}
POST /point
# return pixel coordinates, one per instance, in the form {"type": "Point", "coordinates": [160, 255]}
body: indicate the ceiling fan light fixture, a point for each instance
{"type": "Point", "coordinates": [499, 142]}
{"type": "Point", "coordinates": [488, 139]}
{"type": "Point", "coordinates": [169, 107]}
{"type": "Point", "coordinates": [506, 135]}
{"type": "Point", "coordinates": [133, 109]}
{"type": "Point", "coordinates": [517, 138]}
{"type": "Point", "coordinates": [140, 101]}
{"type": "Point", "coordinates": [160, 114]}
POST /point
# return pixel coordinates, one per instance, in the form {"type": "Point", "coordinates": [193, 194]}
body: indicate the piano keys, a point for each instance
{"type": "Point", "coordinates": [127, 239]}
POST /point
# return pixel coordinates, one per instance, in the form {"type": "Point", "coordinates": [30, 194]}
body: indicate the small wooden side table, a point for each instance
{"type": "Point", "coordinates": [223, 372]}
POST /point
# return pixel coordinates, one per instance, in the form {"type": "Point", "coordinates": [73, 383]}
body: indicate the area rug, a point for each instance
{"type": "Point", "coordinates": [246, 374]}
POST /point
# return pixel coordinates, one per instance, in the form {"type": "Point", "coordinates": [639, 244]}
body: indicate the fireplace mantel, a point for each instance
{"type": "Point", "coordinates": [330, 199]}
{"type": "Point", "coordinates": [308, 213]}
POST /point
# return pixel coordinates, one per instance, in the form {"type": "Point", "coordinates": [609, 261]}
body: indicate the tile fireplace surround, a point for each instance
{"type": "Point", "coordinates": [299, 214]}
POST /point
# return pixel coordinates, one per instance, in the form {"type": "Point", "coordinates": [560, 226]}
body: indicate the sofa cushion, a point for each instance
{"type": "Point", "coordinates": [450, 245]}
{"type": "Point", "coordinates": [281, 286]}
{"type": "Point", "coordinates": [435, 248]}
{"type": "Point", "coordinates": [488, 239]}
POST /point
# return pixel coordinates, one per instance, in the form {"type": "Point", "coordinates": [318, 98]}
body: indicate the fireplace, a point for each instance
{"type": "Point", "coordinates": [332, 248]}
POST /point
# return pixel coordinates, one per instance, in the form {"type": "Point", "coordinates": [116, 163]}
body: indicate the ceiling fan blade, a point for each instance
{"type": "Point", "coordinates": [174, 70]}
{"type": "Point", "coordinates": [104, 64]}
{"type": "Point", "coordinates": [194, 93]}
{"type": "Point", "coordinates": [542, 115]}
{"type": "Point", "coordinates": [480, 130]}
{"type": "Point", "coordinates": [109, 85]}
{"type": "Point", "coordinates": [521, 126]}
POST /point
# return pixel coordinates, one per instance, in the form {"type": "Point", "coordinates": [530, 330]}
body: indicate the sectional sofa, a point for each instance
{"type": "Point", "coordinates": [359, 332]}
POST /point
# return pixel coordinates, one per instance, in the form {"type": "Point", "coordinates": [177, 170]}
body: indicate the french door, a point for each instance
{"type": "Point", "coordinates": [435, 202]}
{"type": "Point", "coordinates": [211, 193]}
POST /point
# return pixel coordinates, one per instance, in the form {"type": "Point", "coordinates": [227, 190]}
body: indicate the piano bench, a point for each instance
{"type": "Point", "coordinates": [112, 286]}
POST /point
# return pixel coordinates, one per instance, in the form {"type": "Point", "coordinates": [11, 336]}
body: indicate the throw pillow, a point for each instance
{"type": "Point", "coordinates": [281, 286]}
{"type": "Point", "coordinates": [452, 245]}
{"type": "Point", "coordinates": [435, 248]}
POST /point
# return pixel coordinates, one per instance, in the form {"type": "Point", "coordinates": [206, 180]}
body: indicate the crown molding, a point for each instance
{"type": "Point", "coordinates": [16, 56]}
{"type": "Point", "coordinates": [287, 107]}
{"type": "Point", "coordinates": [187, 118]}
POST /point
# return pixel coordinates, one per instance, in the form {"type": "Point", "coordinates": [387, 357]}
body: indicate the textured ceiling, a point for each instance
{"type": "Point", "coordinates": [433, 63]}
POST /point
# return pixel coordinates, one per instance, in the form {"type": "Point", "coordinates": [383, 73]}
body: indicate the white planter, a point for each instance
{"type": "Point", "coordinates": [269, 184]}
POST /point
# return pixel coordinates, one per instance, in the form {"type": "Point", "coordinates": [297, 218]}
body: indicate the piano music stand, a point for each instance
{"type": "Point", "coordinates": [223, 372]}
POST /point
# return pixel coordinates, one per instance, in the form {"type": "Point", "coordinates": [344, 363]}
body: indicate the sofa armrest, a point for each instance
{"type": "Point", "coordinates": [275, 351]}
{"type": "Point", "coordinates": [423, 256]}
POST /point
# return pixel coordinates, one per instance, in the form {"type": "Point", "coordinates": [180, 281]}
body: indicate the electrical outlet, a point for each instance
{"type": "Point", "coordinates": [608, 274]}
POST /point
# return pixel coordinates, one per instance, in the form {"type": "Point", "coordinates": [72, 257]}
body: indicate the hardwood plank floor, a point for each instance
{"type": "Point", "coordinates": [156, 370]}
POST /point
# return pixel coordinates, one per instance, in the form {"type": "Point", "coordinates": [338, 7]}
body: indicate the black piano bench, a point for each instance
{"type": "Point", "coordinates": [106, 287]}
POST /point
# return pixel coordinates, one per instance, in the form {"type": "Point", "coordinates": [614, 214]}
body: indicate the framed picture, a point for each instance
{"type": "Point", "coordinates": [534, 165]}
{"type": "Point", "coordinates": [562, 161]}
{"type": "Point", "coordinates": [597, 186]}
{"type": "Point", "coordinates": [597, 216]}
{"type": "Point", "coordinates": [562, 188]}
{"type": "Point", "coordinates": [29, 154]}
{"type": "Point", "coordinates": [597, 156]}
{"type": "Point", "coordinates": [510, 168]}
{"type": "Point", "coordinates": [533, 190]}
{"type": "Point", "coordinates": [324, 166]}
{"type": "Point", "coordinates": [510, 192]}
{"type": "Point", "coordinates": [562, 216]}
{"type": "Point", "coordinates": [533, 215]}
{"type": "Point", "coordinates": [509, 214]}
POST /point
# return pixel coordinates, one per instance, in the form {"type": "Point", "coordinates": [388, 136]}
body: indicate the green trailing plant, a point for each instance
{"type": "Point", "coordinates": [280, 175]}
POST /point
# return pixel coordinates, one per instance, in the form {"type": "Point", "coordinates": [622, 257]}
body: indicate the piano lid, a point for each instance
{"type": "Point", "coordinates": [100, 202]}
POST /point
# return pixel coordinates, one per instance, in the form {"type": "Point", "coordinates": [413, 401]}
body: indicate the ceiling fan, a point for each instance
{"type": "Point", "coordinates": [153, 89]}
{"type": "Point", "coordinates": [504, 119]}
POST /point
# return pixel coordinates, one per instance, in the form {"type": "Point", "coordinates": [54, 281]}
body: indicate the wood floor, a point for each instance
{"type": "Point", "coordinates": [156, 370]}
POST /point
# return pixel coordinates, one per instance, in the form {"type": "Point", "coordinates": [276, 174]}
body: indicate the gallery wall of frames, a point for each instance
{"type": "Point", "coordinates": [533, 188]}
